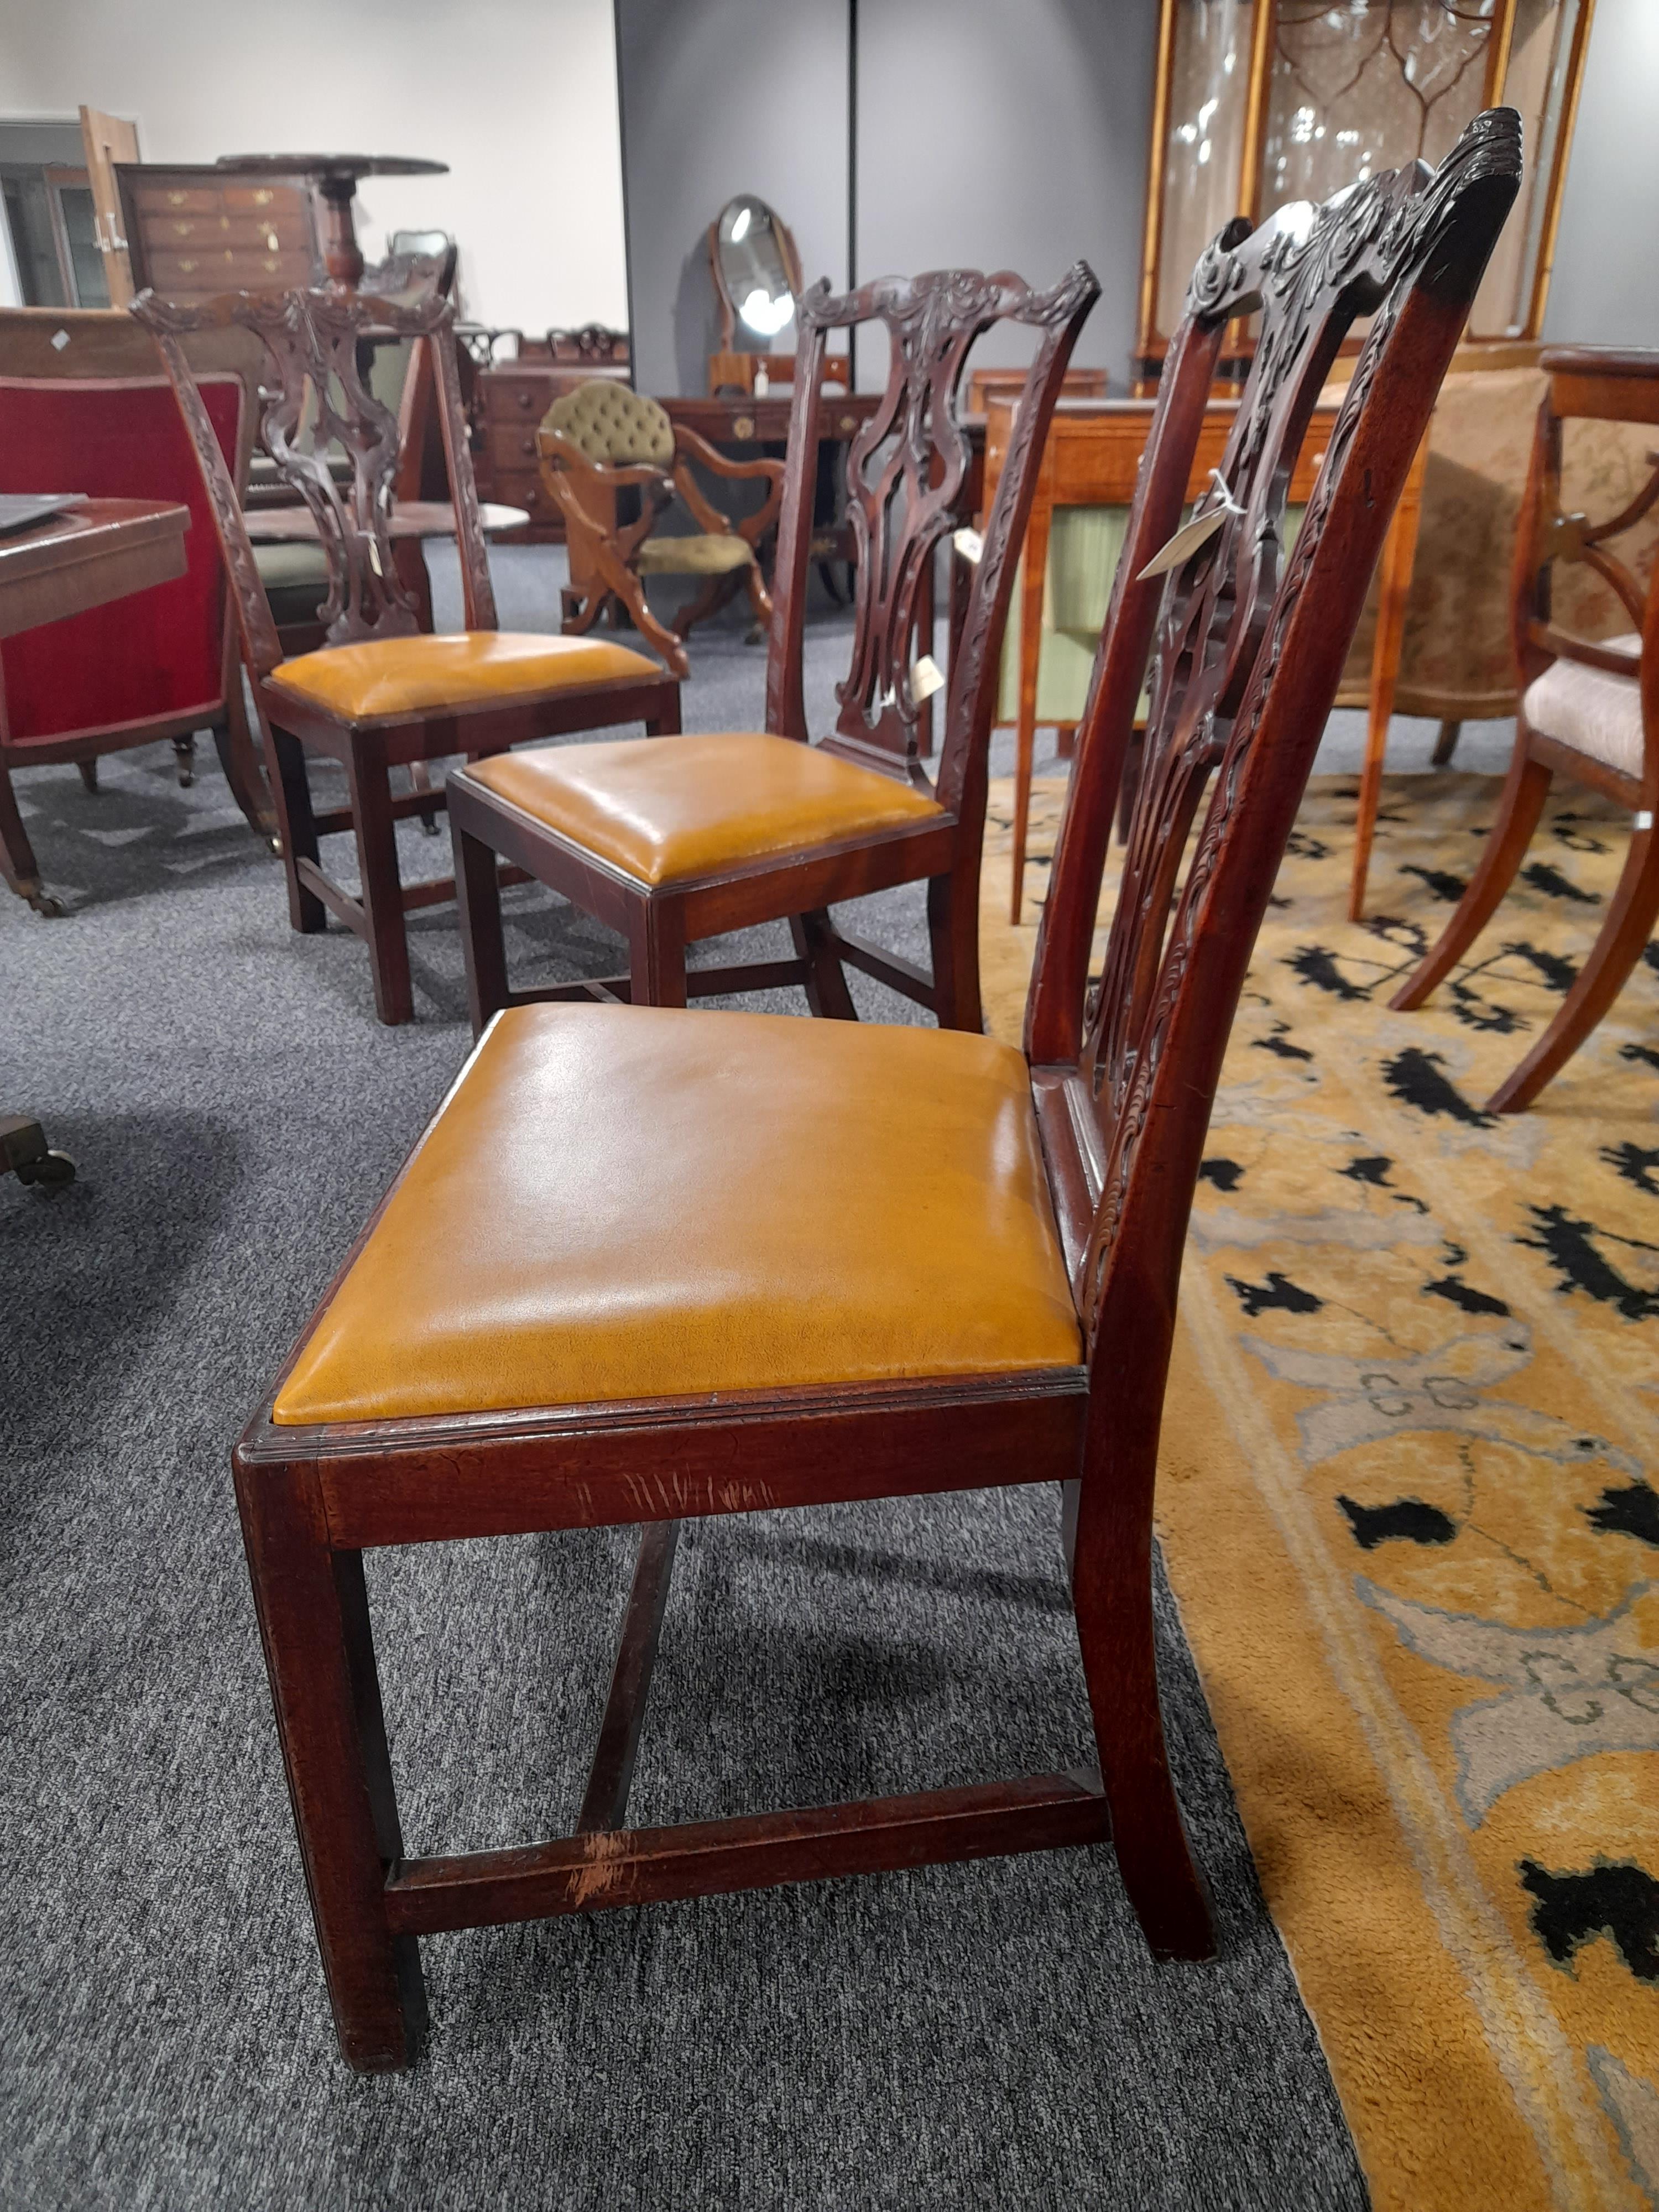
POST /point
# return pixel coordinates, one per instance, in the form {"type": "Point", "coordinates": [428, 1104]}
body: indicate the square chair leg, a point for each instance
{"type": "Point", "coordinates": [313, 1622]}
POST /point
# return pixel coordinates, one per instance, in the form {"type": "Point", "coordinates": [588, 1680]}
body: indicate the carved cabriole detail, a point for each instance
{"type": "Point", "coordinates": [1226, 616]}
{"type": "Point", "coordinates": [318, 395]}
{"type": "Point", "coordinates": [905, 471]}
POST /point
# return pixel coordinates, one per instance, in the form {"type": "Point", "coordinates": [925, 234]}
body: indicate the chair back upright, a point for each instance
{"type": "Point", "coordinates": [906, 469]}
{"type": "Point", "coordinates": [317, 400]}
{"type": "Point", "coordinates": [1246, 657]}
{"type": "Point", "coordinates": [1571, 579]}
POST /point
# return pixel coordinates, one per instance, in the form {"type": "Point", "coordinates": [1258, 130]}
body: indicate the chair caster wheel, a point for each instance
{"type": "Point", "coordinates": [186, 778]}
{"type": "Point", "coordinates": [48, 908]}
{"type": "Point", "coordinates": [52, 1171]}
{"type": "Point", "coordinates": [430, 823]}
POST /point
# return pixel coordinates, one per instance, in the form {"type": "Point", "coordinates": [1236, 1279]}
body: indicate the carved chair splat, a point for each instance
{"type": "Point", "coordinates": [1589, 710]}
{"type": "Point", "coordinates": [381, 692]}
{"type": "Point", "coordinates": [782, 832]}
{"type": "Point", "coordinates": [406, 1414]}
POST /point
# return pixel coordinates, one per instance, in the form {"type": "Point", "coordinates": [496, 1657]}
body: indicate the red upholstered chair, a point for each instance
{"type": "Point", "coordinates": [647, 1263]}
{"type": "Point", "coordinates": [86, 406]}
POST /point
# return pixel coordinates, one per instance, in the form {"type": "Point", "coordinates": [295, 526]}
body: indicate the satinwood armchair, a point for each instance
{"type": "Point", "coordinates": [604, 440]}
{"type": "Point", "coordinates": [1589, 710]}
{"type": "Point", "coordinates": [379, 693]}
{"type": "Point", "coordinates": [668, 843]}
{"type": "Point", "coordinates": [646, 1263]}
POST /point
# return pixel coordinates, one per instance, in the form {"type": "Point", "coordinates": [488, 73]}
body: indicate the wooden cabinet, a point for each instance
{"type": "Point", "coordinates": [194, 232]}
{"type": "Point", "coordinates": [511, 399]}
{"type": "Point", "coordinates": [1258, 102]}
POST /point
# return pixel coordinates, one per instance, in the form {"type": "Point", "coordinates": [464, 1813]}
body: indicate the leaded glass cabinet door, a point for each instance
{"type": "Point", "coordinates": [1260, 101]}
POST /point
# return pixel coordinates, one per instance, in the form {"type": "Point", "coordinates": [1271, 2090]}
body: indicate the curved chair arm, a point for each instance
{"type": "Point", "coordinates": [566, 471]}
{"type": "Point", "coordinates": [690, 446]}
{"type": "Point", "coordinates": [1585, 383]}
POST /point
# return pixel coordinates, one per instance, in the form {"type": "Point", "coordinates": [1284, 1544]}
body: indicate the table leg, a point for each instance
{"type": "Point", "coordinates": [1030, 656]}
{"type": "Point", "coordinates": [1395, 572]}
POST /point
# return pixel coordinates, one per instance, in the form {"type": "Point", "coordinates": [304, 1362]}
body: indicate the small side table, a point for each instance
{"type": "Point", "coordinates": [335, 176]}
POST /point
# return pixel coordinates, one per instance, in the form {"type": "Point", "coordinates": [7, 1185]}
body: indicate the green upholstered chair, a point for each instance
{"type": "Point", "coordinates": [603, 446]}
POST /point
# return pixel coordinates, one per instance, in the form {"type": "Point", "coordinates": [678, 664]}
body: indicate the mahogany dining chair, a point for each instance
{"type": "Point", "coordinates": [381, 693]}
{"type": "Point", "coordinates": [668, 843]}
{"type": "Point", "coordinates": [646, 1263]}
{"type": "Point", "coordinates": [1589, 710]}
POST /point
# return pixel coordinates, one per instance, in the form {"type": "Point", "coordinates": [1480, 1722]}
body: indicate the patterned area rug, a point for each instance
{"type": "Point", "coordinates": [1408, 1495]}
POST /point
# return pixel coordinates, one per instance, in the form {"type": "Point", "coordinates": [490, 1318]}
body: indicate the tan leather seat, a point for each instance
{"type": "Point", "coordinates": [1591, 709]}
{"type": "Point", "coordinates": [628, 1203]}
{"type": "Point", "coordinates": [394, 676]}
{"type": "Point", "coordinates": [667, 810]}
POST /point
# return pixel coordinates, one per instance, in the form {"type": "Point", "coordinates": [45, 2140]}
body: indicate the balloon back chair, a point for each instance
{"type": "Point", "coordinates": [718, 832]}
{"type": "Point", "coordinates": [1589, 707]}
{"type": "Point", "coordinates": [380, 692]}
{"type": "Point", "coordinates": [647, 1263]}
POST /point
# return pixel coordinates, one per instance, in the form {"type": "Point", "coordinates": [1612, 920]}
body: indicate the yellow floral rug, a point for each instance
{"type": "Point", "coordinates": [1408, 1501]}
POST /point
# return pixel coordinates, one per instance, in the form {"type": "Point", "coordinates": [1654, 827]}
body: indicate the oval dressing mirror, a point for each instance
{"type": "Point", "coordinates": [754, 257]}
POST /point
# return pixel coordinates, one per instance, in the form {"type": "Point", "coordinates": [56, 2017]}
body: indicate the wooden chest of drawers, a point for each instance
{"type": "Point", "coordinates": [511, 398]}
{"type": "Point", "coordinates": [193, 231]}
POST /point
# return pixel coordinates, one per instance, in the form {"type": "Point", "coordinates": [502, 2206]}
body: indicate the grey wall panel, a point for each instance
{"type": "Point", "coordinates": [718, 97]}
{"type": "Point", "coordinates": [1008, 134]}
{"type": "Point", "coordinates": [1603, 291]}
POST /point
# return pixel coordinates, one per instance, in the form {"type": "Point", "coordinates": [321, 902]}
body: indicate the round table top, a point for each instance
{"type": "Point", "coordinates": [410, 518]}
{"type": "Point", "coordinates": [335, 165]}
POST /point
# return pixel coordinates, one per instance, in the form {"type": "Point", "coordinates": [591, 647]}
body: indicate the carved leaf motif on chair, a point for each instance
{"type": "Point", "coordinates": [1226, 615]}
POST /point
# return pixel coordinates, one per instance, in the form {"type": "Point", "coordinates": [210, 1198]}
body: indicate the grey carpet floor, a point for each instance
{"type": "Point", "coordinates": [988, 2035]}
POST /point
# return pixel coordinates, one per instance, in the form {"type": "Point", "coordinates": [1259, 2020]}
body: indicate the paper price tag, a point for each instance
{"type": "Point", "coordinates": [970, 544]}
{"type": "Point", "coordinates": [1192, 534]}
{"type": "Point", "coordinates": [925, 678]}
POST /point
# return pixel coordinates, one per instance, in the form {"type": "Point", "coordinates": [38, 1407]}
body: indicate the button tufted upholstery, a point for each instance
{"type": "Point", "coordinates": [587, 1222]}
{"type": "Point", "coordinates": [608, 422]}
{"type": "Point", "coordinates": [669, 810]}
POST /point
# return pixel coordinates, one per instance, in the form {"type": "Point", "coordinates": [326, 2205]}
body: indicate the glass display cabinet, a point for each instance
{"type": "Point", "coordinates": [1260, 101]}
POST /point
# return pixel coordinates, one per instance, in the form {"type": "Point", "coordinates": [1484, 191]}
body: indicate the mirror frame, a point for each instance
{"type": "Point", "coordinates": [728, 306]}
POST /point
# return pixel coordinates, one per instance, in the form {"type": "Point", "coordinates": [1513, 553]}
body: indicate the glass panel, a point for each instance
{"type": "Point", "coordinates": [28, 218]}
{"type": "Point", "coordinates": [751, 262]}
{"type": "Point", "coordinates": [1364, 85]}
{"type": "Point", "coordinates": [1208, 82]}
{"type": "Point", "coordinates": [80, 233]}
{"type": "Point", "coordinates": [1534, 83]}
